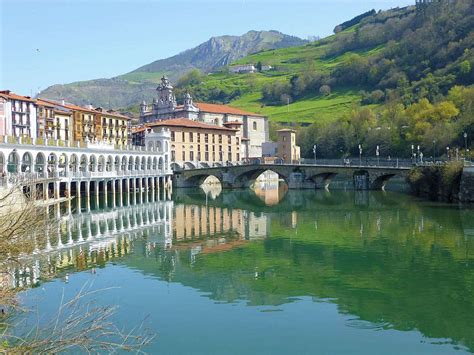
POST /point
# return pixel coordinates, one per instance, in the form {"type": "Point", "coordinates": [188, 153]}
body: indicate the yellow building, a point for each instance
{"type": "Point", "coordinates": [53, 121]}
{"type": "Point", "coordinates": [287, 150]}
{"type": "Point", "coordinates": [194, 142]}
{"type": "Point", "coordinates": [96, 125]}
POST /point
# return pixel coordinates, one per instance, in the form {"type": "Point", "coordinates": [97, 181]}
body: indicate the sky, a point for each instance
{"type": "Point", "coordinates": [46, 42]}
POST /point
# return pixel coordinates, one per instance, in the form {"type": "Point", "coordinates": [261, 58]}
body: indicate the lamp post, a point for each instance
{"type": "Point", "coordinates": [412, 153]}
{"type": "Point", "coordinates": [447, 152]}
{"type": "Point", "coordinates": [360, 155]}
{"type": "Point", "coordinates": [465, 143]}
{"type": "Point", "coordinates": [418, 152]}
{"type": "Point", "coordinates": [314, 152]}
{"type": "Point", "coordinates": [457, 154]}
{"type": "Point", "coordinates": [377, 153]}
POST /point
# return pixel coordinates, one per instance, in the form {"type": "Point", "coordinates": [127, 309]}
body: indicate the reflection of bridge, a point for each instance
{"type": "Point", "coordinates": [296, 176]}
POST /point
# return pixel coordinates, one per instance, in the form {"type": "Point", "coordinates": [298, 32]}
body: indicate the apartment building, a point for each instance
{"type": "Point", "coordinates": [17, 115]}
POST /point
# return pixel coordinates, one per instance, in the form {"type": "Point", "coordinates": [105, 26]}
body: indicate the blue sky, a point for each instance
{"type": "Point", "coordinates": [45, 42]}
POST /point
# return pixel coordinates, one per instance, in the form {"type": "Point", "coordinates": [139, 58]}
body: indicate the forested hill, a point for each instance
{"type": "Point", "coordinates": [411, 53]}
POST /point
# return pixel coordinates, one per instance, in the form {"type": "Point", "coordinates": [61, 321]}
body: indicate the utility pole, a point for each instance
{"type": "Point", "coordinates": [314, 152]}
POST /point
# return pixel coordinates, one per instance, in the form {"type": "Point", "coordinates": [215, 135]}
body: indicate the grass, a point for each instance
{"type": "Point", "coordinates": [307, 110]}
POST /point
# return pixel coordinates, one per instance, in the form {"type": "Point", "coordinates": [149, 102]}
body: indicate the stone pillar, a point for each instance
{"type": "Point", "coordinates": [57, 193]}
{"type": "Point", "coordinates": [78, 196]}
{"type": "Point", "coordinates": [120, 181]}
{"type": "Point", "coordinates": [88, 196]}
{"type": "Point", "coordinates": [113, 190]}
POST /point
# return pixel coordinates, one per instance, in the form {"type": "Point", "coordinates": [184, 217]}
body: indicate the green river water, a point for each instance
{"type": "Point", "coordinates": [273, 272]}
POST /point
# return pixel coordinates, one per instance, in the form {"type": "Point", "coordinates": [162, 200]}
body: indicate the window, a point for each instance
{"type": "Point", "coordinates": [184, 155]}
{"type": "Point", "coordinates": [207, 156]}
{"type": "Point", "coordinates": [254, 126]}
{"type": "Point", "coordinates": [173, 153]}
{"type": "Point", "coordinates": [229, 139]}
{"type": "Point", "coordinates": [191, 155]}
{"type": "Point", "coordinates": [220, 138]}
{"type": "Point", "coordinates": [213, 156]}
{"type": "Point", "coordinates": [229, 156]}
{"type": "Point", "coordinates": [237, 140]}
{"type": "Point", "coordinates": [206, 138]}
{"type": "Point", "coordinates": [191, 137]}
{"type": "Point", "coordinates": [213, 139]}
{"type": "Point", "coordinates": [238, 156]}
{"type": "Point", "coordinates": [284, 138]}
{"type": "Point", "coordinates": [172, 136]}
{"type": "Point", "coordinates": [199, 137]}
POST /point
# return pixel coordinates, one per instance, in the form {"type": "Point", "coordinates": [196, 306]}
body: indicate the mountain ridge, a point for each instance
{"type": "Point", "coordinates": [139, 84]}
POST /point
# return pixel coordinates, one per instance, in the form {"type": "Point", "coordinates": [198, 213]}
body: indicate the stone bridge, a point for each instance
{"type": "Point", "coordinates": [296, 176]}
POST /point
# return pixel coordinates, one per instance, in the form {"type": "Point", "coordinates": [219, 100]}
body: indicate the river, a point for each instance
{"type": "Point", "coordinates": [269, 272]}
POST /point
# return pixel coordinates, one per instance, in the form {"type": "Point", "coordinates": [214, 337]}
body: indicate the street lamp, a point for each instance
{"type": "Point", "coordinates": [447, 152]}
{"type": "Point", "coordinates": [314, 152]}
{"type": "Point", "coordinates": [377, 153]}
{"type": "Point", "coordinates": [412, 153]}
{"type": "Point", "coordinates": [360, 155]}
{"type": "Point", "coordinates": [465, 141]}
{"type": "Point", "coordinates": [418, 150]}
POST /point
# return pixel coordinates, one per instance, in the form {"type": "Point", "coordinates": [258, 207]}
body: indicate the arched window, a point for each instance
{"type": "Point", "coordinates": [254, 125]}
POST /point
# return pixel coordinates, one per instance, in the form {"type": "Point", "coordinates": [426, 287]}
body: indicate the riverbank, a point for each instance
{"type": "Point", "coordinates": [451, 182]}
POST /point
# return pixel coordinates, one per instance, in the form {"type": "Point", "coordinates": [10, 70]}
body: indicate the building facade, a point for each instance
{"type": "Point", "coordinates": [53, 121]}
{"type": "Point", "coordinates": [287, 150]}
{"type": "Point", "coordinates": [252, 128]}
{"type": "Point", "coordinates": [95, 124]}
{"type": "Point", "coordinates": [194, 143]}
{"type": "Point", "coordinates": [17, 115]}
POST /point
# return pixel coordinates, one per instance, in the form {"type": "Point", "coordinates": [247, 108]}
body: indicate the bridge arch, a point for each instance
{"type": "Point", "coordinates": [248, 177]}
{"type": "Point", "coordinates": [323, 179]}
{"type": "Point", "coordinates": [381, 181]}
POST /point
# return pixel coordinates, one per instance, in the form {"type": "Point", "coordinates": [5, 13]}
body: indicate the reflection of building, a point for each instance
{"type": "Point", "coordinates": [252, 128]}
{"type": "Point", "coordinates": [82, 240]}
{"type": "Point", "coordinates": [271, 192]}
{"type": "Point", "coordinates": [198, 221]}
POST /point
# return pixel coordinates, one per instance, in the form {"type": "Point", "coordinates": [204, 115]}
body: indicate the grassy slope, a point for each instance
{"type": "Point", "coordinates": [287, 62]}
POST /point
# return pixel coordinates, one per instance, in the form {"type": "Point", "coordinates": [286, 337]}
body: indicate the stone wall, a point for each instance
{"type": "Point", "coordinates": [466, 189]}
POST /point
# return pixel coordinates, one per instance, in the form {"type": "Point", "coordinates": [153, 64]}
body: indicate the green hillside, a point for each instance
{"type": "Point", "coordinates": [406, 53]}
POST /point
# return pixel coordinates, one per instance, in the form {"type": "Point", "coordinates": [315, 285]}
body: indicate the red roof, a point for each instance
{"type": "Point", "coordinates": [214, 108]}
{"type": "Point", "coordinates": [83, 109]}
{"type": "Point", "coordinates": [7, 94]}
{"type": "Point", "coordinates": [183, 122]}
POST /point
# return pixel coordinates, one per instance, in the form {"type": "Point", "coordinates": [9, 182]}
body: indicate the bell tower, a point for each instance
{"type": "Point", "coordinates": [166, 102]}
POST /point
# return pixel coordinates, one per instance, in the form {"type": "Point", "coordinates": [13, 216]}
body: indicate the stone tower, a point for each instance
{"type": "Point", "coordinates": [189, 110]}
{"type": "Point", "coordinates": [166, 102]}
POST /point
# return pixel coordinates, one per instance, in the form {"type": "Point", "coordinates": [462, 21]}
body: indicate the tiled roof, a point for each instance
{"type": "Point", "coordinates": [7, 94]}
{"type": "Point", "coordinates": [183, 122]}
{"type": "Point", "coordinates": [70, 106]}
{"type": "Point", "coordinates": [83, 109]}
{"type": "Point", "coordinates": [214, 108]}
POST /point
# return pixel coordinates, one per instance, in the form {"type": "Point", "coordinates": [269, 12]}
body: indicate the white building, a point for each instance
{"type": "Point", "coordinates": [17, 115]}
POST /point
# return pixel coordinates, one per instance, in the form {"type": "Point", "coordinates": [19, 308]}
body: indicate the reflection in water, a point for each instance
{"type": "Point", "coordinates": [386, 260]}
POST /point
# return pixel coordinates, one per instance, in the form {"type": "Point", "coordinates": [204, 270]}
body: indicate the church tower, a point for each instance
{"type": "Point", "coordinates": [166, 102]}
{"type": "Point", "coordinates": [190, 111]}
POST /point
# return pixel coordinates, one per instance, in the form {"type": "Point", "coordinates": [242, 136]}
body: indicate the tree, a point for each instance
{"type": "Point", "coordinates": [259, 66]}
{"type": "Point", "coordinates": [325, 90]}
